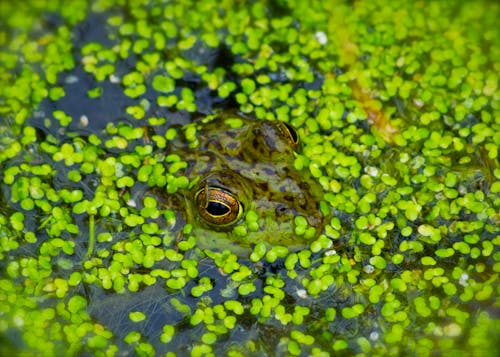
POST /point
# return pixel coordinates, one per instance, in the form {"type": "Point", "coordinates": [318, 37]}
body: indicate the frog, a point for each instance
{"type": "Point", "coordinates": [244, 186]}
{"type": "Point", "coordinates": [235, 180]}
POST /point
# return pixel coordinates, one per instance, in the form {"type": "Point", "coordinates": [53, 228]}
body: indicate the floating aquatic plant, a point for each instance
{"type": "Point", "coordinates": [397, 119]}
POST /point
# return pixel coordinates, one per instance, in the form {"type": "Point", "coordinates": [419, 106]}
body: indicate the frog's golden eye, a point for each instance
{"type": "Point", "coordinates": [290, 133]}
{"type": "Point", "coordinates": [218, 207]}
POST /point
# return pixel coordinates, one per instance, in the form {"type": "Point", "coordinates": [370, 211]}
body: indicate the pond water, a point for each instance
{"type": "Point", "coordinates": [346, 204]}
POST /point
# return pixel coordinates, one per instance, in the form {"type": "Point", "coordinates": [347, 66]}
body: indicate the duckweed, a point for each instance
{"type": "Point", "coordinates": [396, 115]}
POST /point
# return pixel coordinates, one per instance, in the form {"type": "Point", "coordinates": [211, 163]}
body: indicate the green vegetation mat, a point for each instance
{"type": "Point", "coordinates": [397, 105]}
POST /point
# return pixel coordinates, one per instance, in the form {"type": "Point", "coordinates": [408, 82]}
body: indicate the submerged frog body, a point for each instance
{"type": "Point", "coordinates": [244, 186]}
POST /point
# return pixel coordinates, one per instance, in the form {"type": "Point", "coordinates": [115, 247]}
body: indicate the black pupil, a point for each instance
{"type": "Point", "coordinates": [217, 209]}
{"type": "Point", "coordinates": [292, 132]}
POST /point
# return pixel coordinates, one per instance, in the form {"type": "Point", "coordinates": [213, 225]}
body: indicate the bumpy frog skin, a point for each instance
{"type": "Point", "coordinates": [240, 165]}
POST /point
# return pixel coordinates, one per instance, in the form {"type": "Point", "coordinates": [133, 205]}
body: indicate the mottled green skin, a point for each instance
{"type": "Point", "coordinates": [255, 162]}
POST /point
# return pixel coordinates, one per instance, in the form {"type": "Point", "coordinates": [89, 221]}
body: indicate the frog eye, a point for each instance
{"type": "Point", "coordinates": [290, 133]}
{"type": "Point", "coordinates": [218, 206]}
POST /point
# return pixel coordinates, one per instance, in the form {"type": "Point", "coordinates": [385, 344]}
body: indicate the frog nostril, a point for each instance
{"type": "Point", "coordinates": [281, 209]}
